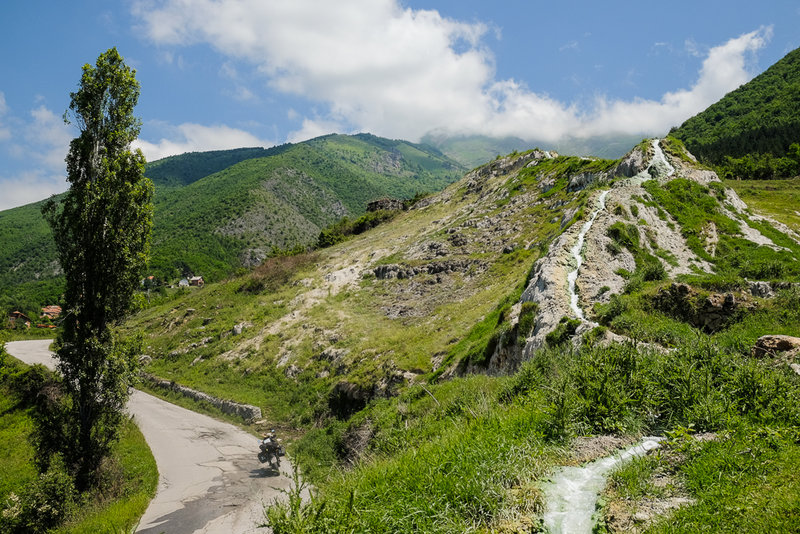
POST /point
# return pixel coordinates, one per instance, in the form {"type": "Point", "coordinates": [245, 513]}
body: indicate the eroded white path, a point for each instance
{"type": "Point", "coordinates": [210, 480]}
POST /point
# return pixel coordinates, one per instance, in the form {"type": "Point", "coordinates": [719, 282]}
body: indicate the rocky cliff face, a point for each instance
{"type": "Point", "coordinates": [605, 264]}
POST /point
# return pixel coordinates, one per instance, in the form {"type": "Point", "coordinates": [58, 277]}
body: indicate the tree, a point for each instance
{"type": "Point", "coordinates": [102, 232]}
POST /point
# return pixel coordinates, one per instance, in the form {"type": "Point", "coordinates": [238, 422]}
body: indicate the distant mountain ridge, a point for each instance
{"type": "Point", "coordinates": [221, 210]}
{"type": "Point", "coordinates": [475, 150]}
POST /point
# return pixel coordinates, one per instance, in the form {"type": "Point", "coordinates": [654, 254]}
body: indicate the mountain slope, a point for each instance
{"type": "Point", "coordinates": [210, 222]}
{"type": "Point", "coordinates": [368, 346]}
{"type": "Point", "coordinates": [185, 169]}
{"type": "Point", "coordinates": [760, 117]}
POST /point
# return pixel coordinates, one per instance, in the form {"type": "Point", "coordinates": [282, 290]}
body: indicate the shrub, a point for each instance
{"type": "Point", "coordinates": [41, 505]}
{"type": "Point", "coordinates": [563, 331]}
{"type": "Point", "coordinates": [275, 272]}
{"type": "Point", "coordinates": [653, 270]}
{"type": "Point", "coordinates": [527, 319]}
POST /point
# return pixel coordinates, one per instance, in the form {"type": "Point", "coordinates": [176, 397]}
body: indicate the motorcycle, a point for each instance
{"type": "Point", "coordinates": [270, 451]}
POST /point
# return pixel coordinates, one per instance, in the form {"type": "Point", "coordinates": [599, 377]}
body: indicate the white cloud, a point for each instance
{"type": "Point", "coordinates": [5, 132]}
{"type": "Point", "coordinates": [401, 72]}
{"type": "Point", "coordinates": [37, 148]}
{"type": "Point", "coordinates": [189, 137]}
{"type": "Point", "coordinates": [29, 186]}
{"type": "Point", "coordinates": [692, 48]}
{"type": "Point", "coordinates": [572, 45]}
{"type": "Point", "coordinates": [48, 138]}
{"type": "Point", "coordinates": [314, 128]}
{"type": "Point", "coordinates": [723, 70]}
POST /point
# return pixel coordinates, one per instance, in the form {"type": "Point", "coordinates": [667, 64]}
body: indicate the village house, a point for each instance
{"type": "Point", "coordinates": [51, 312]}
{"type": "Point", "coordinates": [196, 281]}
{"type": "Point", "coordinates": [18, 316]}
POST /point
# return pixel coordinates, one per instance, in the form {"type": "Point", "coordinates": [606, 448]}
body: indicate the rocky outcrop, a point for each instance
{"type": "Point", "coordinates": [393, 270]}
{"type": "Point", "coordinates": [632, 164]}
{"type": "Point", "coordinates": [346, 397]}
{"type": "Point", "coordinates": [761, 289]}
{"type": "Point", "coordinates": [773, 345]}
{"type": "Point", "coordinates": [391, 204]}
{"type": "Point", "coordinates": [476, 179]}
{"type": "Point", "coordinates": [709, 311]}
{"type": "Point", "coordinates": [579, 182]}
{"type": "Point", "coordinates": [247, 412]}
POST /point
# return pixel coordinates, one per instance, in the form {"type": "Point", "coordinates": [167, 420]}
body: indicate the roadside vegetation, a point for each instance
{"type": "Point", "coordinates": [48, 502]}
{"type": "Point", "coordinates": [467, 454]}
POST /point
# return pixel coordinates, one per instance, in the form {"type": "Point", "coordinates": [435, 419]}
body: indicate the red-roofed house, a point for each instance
{"type": "Point", "coordinates": [53, 312]}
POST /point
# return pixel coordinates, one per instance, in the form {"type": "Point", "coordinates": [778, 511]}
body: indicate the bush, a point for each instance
{"type": "Point", "coordinates": [277, 271]}
{"type": "Point", "coordinates": [342, 229]}
{"type": "Point", "coordinates": [563, 331]}
{"type": "Point", "coordinates": [527, 319]}
{"type": "Point", "coordinates": [653, 270]}
{"type": "Point", "coordinates": [43, 504]}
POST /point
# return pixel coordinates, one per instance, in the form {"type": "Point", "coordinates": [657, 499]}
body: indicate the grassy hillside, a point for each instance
{"type": "Point", "coordinates": [365, 352]}
{"type": "Point", "coordinates": [750, 131]}
{"type": "Point", "coordinates": [779, 199]}
{"type": "Point", "coordinates": [216, 212]}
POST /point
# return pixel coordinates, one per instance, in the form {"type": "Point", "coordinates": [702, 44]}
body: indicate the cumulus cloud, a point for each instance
{"type": "Point", "coordinates": [29, 186]}
{"type": "Point", "coordinates": [402, 72]}
{"type": "Point", "coordinates": [39, 143]}
{"type": "Point", "coordinates": [723, 70]}
{"type": "Point", "coordinates": [190, 137]}
{"type": "Point", "coordinates": [48, 138]}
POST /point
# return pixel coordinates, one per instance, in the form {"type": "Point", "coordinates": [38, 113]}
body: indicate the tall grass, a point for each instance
{"type": "Point", "coordinates": [447, 458]}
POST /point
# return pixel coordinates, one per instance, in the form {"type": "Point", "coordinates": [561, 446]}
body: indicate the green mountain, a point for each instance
{"type": "Point", "coordinates": [434, 372]}
{"type": "Point", "coordinates": [185, 169]}
{"type": "Point", "coordinates": [215, 212]}
{"type": "Point", "coordinates": [750, 131]}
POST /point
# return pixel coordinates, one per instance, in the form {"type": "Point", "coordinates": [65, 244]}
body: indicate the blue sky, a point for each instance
{"type": "Point", "coordinates": [221, 74]}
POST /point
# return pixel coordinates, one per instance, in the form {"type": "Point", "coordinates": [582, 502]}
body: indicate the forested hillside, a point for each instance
{"type": "Point", "coordinates": [750, 132]}
{"type": "Point", "coordinates": [187, 168]}
{"type": "Point", "coordinates": [216, 212]}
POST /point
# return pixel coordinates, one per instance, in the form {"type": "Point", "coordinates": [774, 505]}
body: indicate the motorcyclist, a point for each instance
{"type": "Point", "coordinates": [270, 447]}
{"type": "Point", "coordinates": [269, 443]}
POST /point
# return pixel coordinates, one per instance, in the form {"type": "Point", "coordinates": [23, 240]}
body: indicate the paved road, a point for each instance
{"type": "Point", "coordinates": [210, 480]}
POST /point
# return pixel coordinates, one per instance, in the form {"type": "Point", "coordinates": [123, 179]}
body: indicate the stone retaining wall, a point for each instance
{"type": "Point", "coordinates": [245, 411]}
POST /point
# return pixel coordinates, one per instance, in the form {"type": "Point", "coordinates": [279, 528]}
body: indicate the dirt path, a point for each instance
{"type": "Point", "coordinates": [210, 481]}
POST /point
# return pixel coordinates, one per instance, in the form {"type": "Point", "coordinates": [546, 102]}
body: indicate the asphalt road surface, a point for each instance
{"type": "Point", "coordinates": [210, 480]}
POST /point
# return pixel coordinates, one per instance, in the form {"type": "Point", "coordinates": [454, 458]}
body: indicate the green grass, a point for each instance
{"type": "Point", "coordinates": [16, 462]}
{"type": "Point", "coordinates": [743, 480]}
{"type": "Point", "coordinates": [775, 198]}
{"type": "Point", "coordinates": [131, 482]}
{"type": "Point", "coordinates": [450, 457]}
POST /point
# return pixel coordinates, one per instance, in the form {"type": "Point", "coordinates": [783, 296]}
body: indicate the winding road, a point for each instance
{"type": "Point", "coordinates": [210, 480]}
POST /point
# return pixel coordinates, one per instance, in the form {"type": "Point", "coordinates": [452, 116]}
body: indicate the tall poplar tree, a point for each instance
{"type": "Point", "coordinates": [102, 232]}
